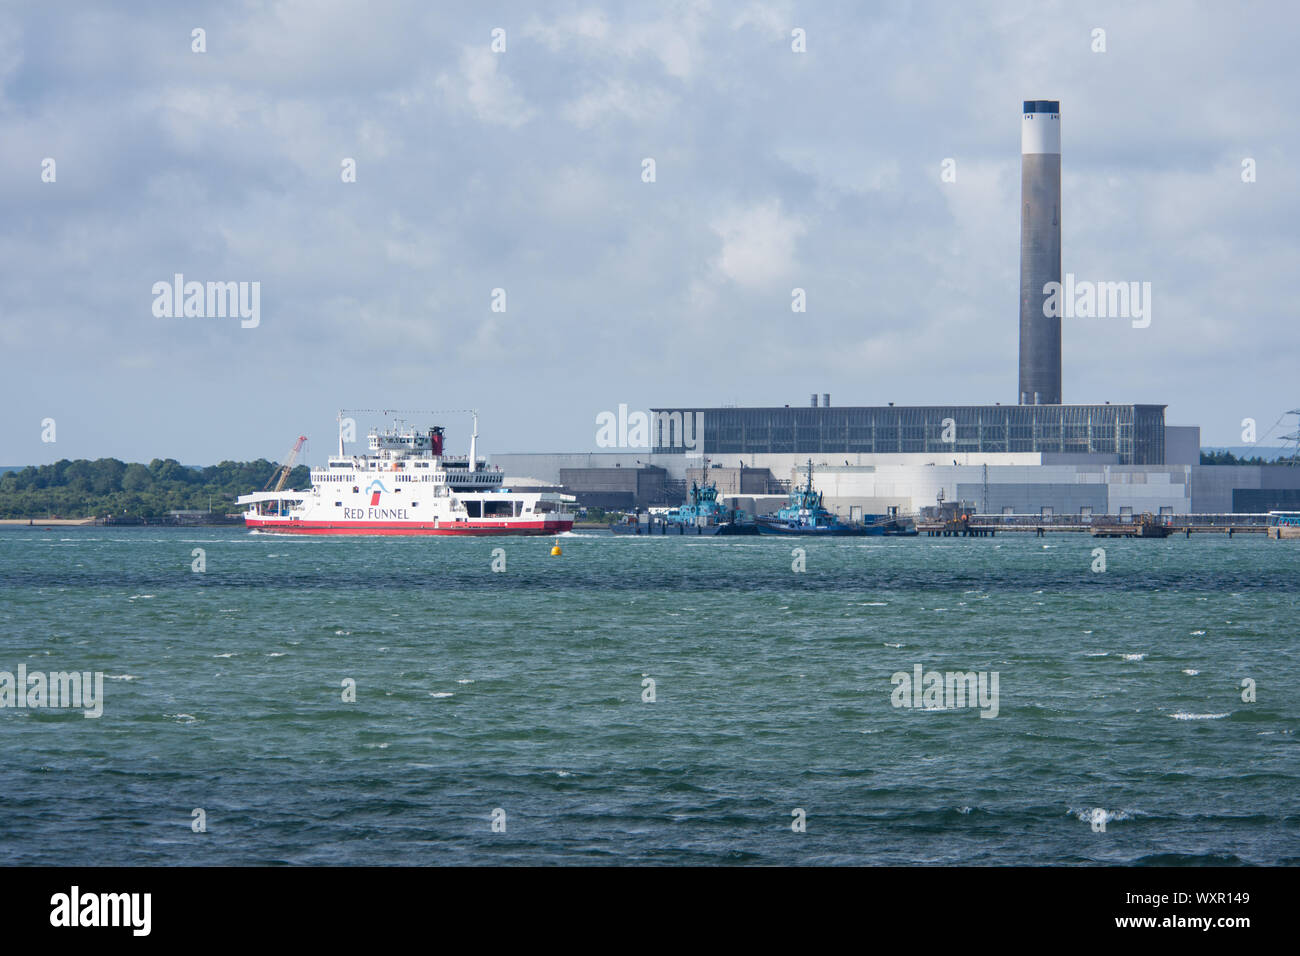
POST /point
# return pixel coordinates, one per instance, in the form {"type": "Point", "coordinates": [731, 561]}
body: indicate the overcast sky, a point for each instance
{"type": "Point", "coordinates": [522, 170]}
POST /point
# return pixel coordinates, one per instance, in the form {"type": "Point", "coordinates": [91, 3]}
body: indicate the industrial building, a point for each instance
{"type": "Point", "coordinates": [622, 489]}
{"type": "Point", "coordinates": [1035, 457]}
{"type": "Point", "coordinates": [1003, 483]}
{"type": "Point", "coordinates": [1130, 434]}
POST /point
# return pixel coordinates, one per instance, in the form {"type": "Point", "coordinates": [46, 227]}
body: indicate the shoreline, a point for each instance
{"type": "Point", "coordinates": [45, 522]}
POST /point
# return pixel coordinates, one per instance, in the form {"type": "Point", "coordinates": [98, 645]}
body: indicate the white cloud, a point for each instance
{"type": "Point", "coordinates": [617, 97]}
{"type": "Point", "coordinates": [11, 52]}
{"type": "Point", "coordinates": [485, 89]}
{"type": "Point", "coordinates": [767, 18]}
{"type": "Point", "coordinates": [842, 168]}
{"type": "Point", "coordinates": [479, 170]}
{"type": "Point", "coordinates": [674, 40]}
{"type": "Point", "coordinates": [758, 244]}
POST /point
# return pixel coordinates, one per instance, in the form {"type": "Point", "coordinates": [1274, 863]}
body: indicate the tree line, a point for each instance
{"type": "Point", "coordinates": [106, 486]}
{"type": "Point", "coordinates": [1228, 458]}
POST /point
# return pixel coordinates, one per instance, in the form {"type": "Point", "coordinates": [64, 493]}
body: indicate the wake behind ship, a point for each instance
{"type": "Point", "coordinates": [406, 485]}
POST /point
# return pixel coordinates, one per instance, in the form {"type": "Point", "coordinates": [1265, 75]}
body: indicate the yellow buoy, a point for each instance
{"type": "Point", "coordinates": [555, 551]}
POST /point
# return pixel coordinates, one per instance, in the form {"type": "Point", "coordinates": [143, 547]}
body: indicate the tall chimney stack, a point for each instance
{"type": "Point", "coordinates": [1040, 251]}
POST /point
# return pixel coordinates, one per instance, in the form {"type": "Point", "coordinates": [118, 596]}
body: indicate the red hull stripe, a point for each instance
{"type": "Point", "coordinates": [388, 527]}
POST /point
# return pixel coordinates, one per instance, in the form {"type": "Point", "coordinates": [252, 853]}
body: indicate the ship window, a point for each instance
{"type": "Point", "coordinates": [338, 504]}
{"type": "Point", "coordinates": [474, 508]}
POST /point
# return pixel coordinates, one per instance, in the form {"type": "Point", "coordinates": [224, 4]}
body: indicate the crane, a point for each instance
{"type": "Point", "coordinates": [283, 470]}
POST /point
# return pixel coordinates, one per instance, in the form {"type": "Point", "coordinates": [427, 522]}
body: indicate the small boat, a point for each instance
{"type": "Point", "coordinates": [1146, 526]}
{"type": "Point", "coordinates": [895, 525]}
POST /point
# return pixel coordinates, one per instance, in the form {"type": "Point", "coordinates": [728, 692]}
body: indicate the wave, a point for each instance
{"type": "Point", "coordinates": [1107, 816]}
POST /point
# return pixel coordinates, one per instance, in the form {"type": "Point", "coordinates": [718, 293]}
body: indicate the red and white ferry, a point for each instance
{"type": "Point", "coordinates": [406, 485]}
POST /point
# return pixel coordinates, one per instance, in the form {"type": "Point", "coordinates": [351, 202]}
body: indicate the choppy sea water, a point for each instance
{"type": "Point", "coordinates": [1120, 700]}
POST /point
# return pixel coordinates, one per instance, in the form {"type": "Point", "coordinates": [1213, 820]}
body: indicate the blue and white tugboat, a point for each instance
{"type": "Point", "coordinates": [702, 514]}
{"type": "Point", "coordinates": [804, 514]}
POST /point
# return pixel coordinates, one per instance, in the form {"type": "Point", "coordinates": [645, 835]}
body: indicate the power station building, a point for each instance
{"type": "Point", "coordinates": [1036, 456]}
{"type": "Point", "coordinates": [1126, 434]}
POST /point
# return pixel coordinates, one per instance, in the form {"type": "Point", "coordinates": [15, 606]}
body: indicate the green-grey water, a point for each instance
{"type": "Point", "coordinates": [523, 690]}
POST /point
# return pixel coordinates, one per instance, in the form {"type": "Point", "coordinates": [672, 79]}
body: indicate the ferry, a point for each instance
{"type": "Point", "coordinates": [1283, 524]}
{"type": "Point", "coordinates": [406, 484]}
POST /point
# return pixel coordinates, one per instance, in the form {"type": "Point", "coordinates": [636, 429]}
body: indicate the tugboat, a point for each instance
{"type": "Point", "coordinates": [702, 514]}
{"type": "Point", "coordinates": [804, 514]}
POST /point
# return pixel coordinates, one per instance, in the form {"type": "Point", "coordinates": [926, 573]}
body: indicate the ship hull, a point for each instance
{"type": "Point", "coordinates": [833, 531]}
{"type": "Point", "coordinates": [459, 528]}
{"type": "Point", "coordinates": [670, 530]}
